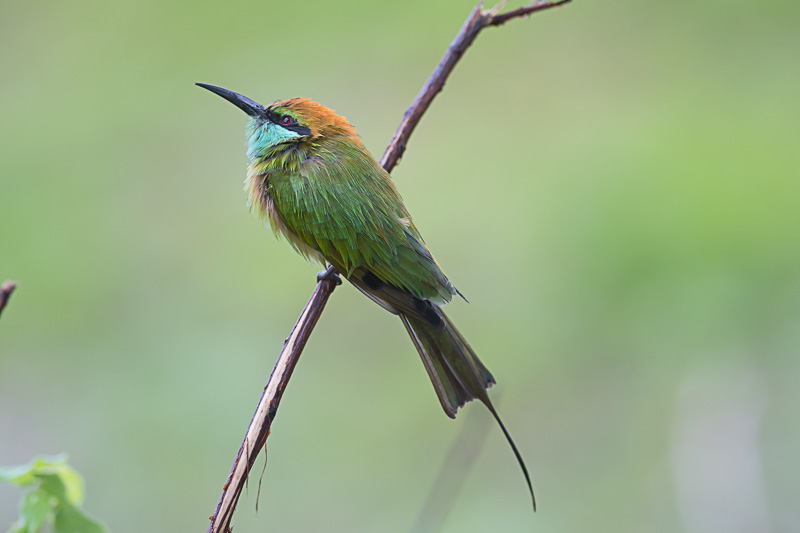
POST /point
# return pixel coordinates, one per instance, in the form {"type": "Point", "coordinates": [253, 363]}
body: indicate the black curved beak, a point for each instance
{"type": "Point", "coordinates": [254, 109]}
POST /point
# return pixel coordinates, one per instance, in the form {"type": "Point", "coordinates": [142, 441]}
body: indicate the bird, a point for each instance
{"type": "Point", "coordinates": [310, 177]}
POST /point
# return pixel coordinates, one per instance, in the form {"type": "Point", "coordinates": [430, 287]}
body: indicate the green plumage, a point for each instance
{"type": "Point", "coordinates": [340, 203]}
{"type": "Point", "coordinates": [312, 178]}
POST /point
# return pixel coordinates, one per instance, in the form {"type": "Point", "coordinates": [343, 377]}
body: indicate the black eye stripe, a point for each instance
{"type": "Point", "coordinates": [297, 128]}
{"type": "Point", "coordinates": [273, 117]}
{"type": "Point", "coordinates": [276, 118]}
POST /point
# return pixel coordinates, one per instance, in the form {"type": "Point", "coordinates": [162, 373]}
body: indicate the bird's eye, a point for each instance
{"type": "Point", "coordinates": [287, 121]}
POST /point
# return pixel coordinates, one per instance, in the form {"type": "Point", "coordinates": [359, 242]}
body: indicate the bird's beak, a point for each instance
{"type": "Point", "coordinates": [254, 109]}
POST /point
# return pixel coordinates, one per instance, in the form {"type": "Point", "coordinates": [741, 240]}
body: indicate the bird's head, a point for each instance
{"type": "Point", "coordinates": [286, 124]}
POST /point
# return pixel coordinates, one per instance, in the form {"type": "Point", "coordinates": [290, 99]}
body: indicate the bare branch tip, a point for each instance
{"type": "Point", "coordinates": [5, 293]}
{"type": "Point", "coordinates": [8, 287]}
{"type": "Point", "coordinates": [496, 9]}
{"type": "Point", "coordinates": [498, 19]}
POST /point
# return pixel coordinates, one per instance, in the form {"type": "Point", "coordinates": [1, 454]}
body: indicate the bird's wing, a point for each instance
{"type": "Point", "coordinates": [353, 215]}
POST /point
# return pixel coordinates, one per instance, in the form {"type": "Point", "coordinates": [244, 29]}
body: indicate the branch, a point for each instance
{"type": "Point", "coordinates": [477, 20]}
{"type": "Point", "coordinates": [257, 433]}
{"type": "Point", "coordinates": [259, 429]}
{"type": "Point", "coordinates": [5, 293]}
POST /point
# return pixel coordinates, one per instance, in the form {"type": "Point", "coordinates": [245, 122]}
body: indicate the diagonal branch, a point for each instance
{"type": "Point", "coordinates": [258, 431]}
{"type": "Point", "coordinates": [477, 20]}
{"type": "Point", "coordinates": [5, 293]}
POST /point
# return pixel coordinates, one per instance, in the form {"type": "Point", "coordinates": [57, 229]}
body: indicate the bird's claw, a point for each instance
{"type": "Point", "coordinates": [329, 274]}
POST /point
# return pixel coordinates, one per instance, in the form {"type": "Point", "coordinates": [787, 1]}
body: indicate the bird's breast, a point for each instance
{"type": "Point", "coordinates": [264, 203]}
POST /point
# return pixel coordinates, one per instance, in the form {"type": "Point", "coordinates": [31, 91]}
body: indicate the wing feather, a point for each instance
{"type": "Point", "coordinates": [351, 213]}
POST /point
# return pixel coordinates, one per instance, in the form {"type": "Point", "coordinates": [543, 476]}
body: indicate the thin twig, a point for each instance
{"type": "Point", "coordinates": [524, 12]}
{"type": "Point", "coordinates": [477, 20]}
{"type": "Point", "coordinates": [5, 293]}
{"type": "Point", "coordinates": [258, 431]}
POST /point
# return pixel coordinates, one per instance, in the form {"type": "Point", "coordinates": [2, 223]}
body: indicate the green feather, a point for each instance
{"type": "Point", "coordinates": [341, 203]}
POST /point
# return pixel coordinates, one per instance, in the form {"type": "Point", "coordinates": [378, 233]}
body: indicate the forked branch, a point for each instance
{"type": "Point", "coordinates": [479, 19]}
{"type": "Point", "coordinates": [258, 431]}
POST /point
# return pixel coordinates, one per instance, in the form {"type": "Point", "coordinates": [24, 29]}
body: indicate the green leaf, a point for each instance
{"type": "Point", "coordinates": [21, 475]}
{"type": "Point", "coordinates": [73, 484]}
{"type": "Point", "coordinates": [54, 486]}
{"type": "Point", "coordinates": [34, 512]}
{"type": "Point", "coordinates": [26, 475]}
{"type": "Point", "coordinates": [70, 519]}
{"type": "Point", "coordinates": [57, 498]}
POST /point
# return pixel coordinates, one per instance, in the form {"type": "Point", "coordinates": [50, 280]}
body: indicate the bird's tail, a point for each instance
{"type": "Point", "coordinates": [456, 372]}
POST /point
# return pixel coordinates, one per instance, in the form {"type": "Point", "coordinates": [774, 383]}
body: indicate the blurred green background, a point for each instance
{"type": "Point", "coordinates": [613, 185]}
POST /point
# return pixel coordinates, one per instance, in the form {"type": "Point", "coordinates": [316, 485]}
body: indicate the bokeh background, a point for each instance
{"type": "Point", "coordinates": [613, 185]}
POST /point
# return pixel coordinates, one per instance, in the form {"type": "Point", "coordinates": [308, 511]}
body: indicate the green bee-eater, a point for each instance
{"type": "Point", "coordinates": [310, 176]}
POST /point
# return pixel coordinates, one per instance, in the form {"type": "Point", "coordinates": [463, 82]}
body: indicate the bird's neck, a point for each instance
{"type": "Point", "coordinates": [278, 159]}
{"type": "Point", "coordinates": [286, 157]}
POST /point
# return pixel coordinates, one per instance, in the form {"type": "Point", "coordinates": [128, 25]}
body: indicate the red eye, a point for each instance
{"type": "Point", "coordinates": [287, 121]}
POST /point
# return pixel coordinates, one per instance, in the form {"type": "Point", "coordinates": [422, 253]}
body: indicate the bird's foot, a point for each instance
{"type": "Point", "coordinates": [329, 274]}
